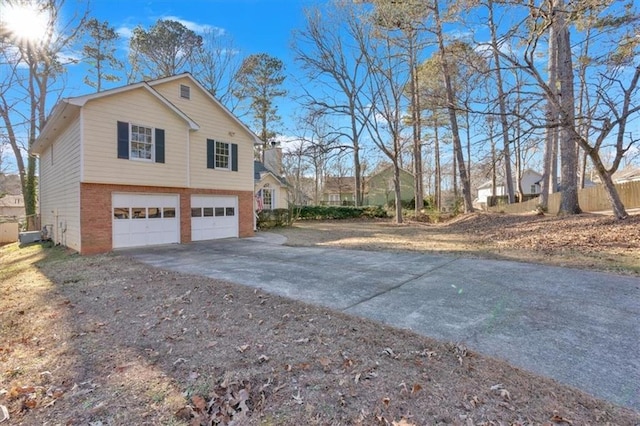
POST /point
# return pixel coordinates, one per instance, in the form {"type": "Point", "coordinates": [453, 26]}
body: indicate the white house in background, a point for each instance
{"type": "Point", "coordinates": [628, 174]}
{"type": "Point", "coordinates": [530, 182]}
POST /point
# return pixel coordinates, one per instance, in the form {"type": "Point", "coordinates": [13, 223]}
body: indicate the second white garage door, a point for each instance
{"type": "Point", "coordinates": [213, 217]}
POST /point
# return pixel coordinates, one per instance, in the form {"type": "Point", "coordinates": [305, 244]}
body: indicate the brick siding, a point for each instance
{"type": "Point", "coordinates": [96, 222]}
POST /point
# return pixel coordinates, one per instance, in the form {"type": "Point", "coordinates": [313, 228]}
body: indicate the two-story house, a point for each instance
{"type": "Point", "coordinates": [155, 162]}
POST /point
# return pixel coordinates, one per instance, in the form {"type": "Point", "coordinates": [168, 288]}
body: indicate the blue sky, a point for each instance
{"type": "Point", "coordinates": [256, 26]}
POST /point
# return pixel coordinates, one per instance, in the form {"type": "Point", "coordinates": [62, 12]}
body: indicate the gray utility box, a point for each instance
{"type": "Point", "coordinates": [29, 237]}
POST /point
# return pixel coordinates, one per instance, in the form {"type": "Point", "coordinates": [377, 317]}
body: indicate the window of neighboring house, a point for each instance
{"type": "Point", "coordinates": [185, 92]}
{"type": "Point", "coordinates": [267, 199]}
{"type": "Point", "coordinates": [141, 142]}
{"type": "Point", "coordinates": [334, 198]}
{"type": "Point", "coordinates": [534, 189]}
{"type": "Point", "coordinates": [222, 155]}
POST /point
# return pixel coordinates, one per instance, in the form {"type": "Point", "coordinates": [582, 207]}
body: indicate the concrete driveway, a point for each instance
{"type": "Point", "coordinates": [580, 328]}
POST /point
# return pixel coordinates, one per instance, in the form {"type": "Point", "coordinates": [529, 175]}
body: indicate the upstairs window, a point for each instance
{"type": "Point", "coordinates": [141, 142]}
{"type": "Point", "coordinates": [185, 92]}
{"type": "Point", "coordinates": [222, 155]}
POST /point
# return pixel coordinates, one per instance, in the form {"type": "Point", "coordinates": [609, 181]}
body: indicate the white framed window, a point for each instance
{"type": "Point", "coordinates": [223, 155]}
{"type": "Point", "coordinates": [141, 142]}
{"type": "Point", "coordinates": [185, 92]}
{"type": "Point", "coordinates": [267, 199]}
{"type": "Point", "coordinates": [334, 198]}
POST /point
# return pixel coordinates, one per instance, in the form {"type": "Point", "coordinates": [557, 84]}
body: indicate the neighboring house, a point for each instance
{"type": "Point", "coordinates": [12, 206]}
{"type": "Point", "coordinates": [339, 191]}
{"type": "Point", "coordinates": [154, 162]}
{"type": "Point", "coordinates": [379, 189]}
{"type": "Point", "coordinates": [628, 174]}
{"type": "Point", "coordinates": [271, 189]}
{"type": "Point", "coordinates": [530, 183]}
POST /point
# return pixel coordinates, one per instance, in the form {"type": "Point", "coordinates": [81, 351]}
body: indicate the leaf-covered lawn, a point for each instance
{"type": "Point", "coordinates": [587, 241]}
{"type": "Point", "coordinates": [104, 340]}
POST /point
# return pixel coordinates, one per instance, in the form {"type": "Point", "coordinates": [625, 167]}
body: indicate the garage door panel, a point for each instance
{"type": "Point", "coordinates": [213, 217]}
{"type": "Point", "coordinates": [145, 219]}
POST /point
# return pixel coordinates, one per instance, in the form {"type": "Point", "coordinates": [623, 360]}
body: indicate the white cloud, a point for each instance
{"type": "Point", "coordinates": [196, 27]}
{"type": "Point", "coordinates": [290, 143]}
{"type": "Point", "coordinates": [125, 32]}
{"type": "Point", "coordinates": [71, 57]}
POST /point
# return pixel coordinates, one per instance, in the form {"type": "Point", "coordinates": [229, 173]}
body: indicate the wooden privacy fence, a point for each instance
{"type": "Point", "coordinates": [591, 200]}
{"type": "Point", "coordinates": [9, 232]}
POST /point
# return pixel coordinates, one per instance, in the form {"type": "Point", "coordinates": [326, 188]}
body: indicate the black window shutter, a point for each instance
{"type": "Point", "coordinates": [211, 146]}
{"type": "Point", "coordinates": [123, 140]}
{"type": "Point", "coordinates": [159, 145]}
{"type": "Point", "coordinates": [234, 157]}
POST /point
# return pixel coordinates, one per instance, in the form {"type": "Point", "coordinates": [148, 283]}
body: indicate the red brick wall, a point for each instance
{"type": "Point", "coordinates": [95, 212]}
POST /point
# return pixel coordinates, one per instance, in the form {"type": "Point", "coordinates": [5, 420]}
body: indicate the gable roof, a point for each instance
{"type": "Point", "coordinates": [211, 97]}
{"type": "Point", "coordinates": [627, 174]}
{"type": "Point", "coordinates": [65, 109]}
{"type": "Point", "coordinates": [500, 181]}
{"type": "Point", "coordinates": [342, 185]}
{"type": "Point", "coordinates": [259, 169]}
{"type": "Point", "coordinates": [385, 169]}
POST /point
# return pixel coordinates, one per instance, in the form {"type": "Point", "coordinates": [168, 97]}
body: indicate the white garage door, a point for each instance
{"type": "Point", "coordinates": [213, 217]}
{"type": "Point", "coordinates": [145, 219]}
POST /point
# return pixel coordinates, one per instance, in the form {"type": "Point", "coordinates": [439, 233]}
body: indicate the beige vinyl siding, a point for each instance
{"type": "Point", "coordinates": [60, 187]}
{"type": "Point", "coordinates": [215, 124]}
{"type": "Point", "coordinates": [101, 162]}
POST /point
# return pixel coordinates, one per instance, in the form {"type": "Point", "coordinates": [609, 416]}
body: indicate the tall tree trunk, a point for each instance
{"type": "Point", "coordinates": [438, 170]}
{"type": "Point", "coordinates": [494, 161]}
{"type": "Point", "coordinates": [416, 125]}
{"type": "Point", "coordinates": [569, 164]}
{"type": "Point", "coordinates": [454, 178]}
{"type": "Point", "coordinates": [610, 188]}
{"type": "Point", "coordinates": [396, 192]}
{"type": "Point", "coordinates": [551, 131]}
{"type": "Point", "coordinates": [508, 178]}
{"type": "Point", "coordinates": [517, 147]}
{"type": "Point", "coordinates": [451, 107]}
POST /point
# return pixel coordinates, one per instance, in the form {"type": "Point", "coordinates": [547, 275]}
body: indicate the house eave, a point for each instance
{"type": "Point", "coordinates": [60, 116]}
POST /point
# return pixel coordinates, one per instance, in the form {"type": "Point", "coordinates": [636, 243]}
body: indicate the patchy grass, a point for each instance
{"type": "Point", "coordinates": [104, 339]}
{"type": "Point", "coordinates": [585, 241]}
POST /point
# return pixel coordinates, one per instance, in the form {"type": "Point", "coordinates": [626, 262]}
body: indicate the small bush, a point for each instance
{"type": "Point", "coordinates": [339, 212]}
{"type": "Point", "coordinates": [273, 218]}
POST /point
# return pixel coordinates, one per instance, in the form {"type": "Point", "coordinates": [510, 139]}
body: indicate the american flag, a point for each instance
{"type": "Point", "coordinates": [259, 204]}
